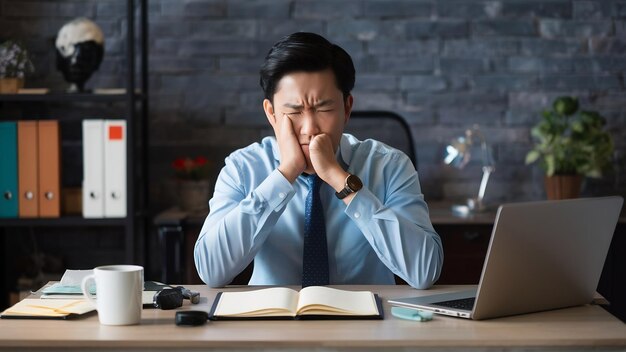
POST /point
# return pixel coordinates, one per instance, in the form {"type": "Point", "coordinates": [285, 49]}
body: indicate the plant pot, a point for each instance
{"type": "Point", "coordinates": [193, 196]}
{"type": "Point", "coordinates": [563, 186]}
{"type": "Point", "coordinates": [11, 85]}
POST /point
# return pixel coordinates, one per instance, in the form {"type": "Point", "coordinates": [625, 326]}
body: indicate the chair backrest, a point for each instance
{"type": "Point", "coordinates": [384, 126]}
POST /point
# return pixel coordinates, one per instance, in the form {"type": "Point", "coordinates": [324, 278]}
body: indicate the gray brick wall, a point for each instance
{"type": "Point", "coordinates": [443, 65]}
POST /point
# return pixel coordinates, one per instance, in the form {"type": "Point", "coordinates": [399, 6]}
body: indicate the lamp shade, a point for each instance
{"type": "Point", "coordinates": [457, 153]}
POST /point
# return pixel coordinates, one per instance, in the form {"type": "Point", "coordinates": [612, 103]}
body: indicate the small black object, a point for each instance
{"type": "Point", "coordinates": [171, 297]}
{"type": "Point", "coordinates": [191, 318]}
{"type": "Point", "coordinates": [192, 296]}
{"type": "Point", "coordinates": [81, 64]}
{"type": "Point", "coordinates": [168, 299]}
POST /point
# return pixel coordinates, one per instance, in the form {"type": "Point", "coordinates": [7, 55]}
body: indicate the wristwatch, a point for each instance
{"type": "Point", "coordinates": [353, 184]}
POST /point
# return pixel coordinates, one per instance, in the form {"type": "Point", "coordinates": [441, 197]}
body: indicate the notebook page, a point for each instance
{"type": "Point", "coordinates": [49, 308]}
{"type": "Point", "coordinates": [278, 300]}
{"type": "Point", "coordinates": [319, 299]}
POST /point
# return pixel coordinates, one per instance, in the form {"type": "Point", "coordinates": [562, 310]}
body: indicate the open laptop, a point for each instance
{"type": "Point", "coordinates": [542, 255]}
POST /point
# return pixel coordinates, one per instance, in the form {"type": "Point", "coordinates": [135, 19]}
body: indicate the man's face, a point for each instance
{"type": "Point", "coordinates": [314, 104]}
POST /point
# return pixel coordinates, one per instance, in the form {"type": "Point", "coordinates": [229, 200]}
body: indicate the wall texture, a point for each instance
{"type": "Point", "coordinates": [443, 65]}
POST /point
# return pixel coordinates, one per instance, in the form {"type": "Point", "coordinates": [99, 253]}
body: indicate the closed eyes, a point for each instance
{"type": "Point", "coordinates": [299, 113]}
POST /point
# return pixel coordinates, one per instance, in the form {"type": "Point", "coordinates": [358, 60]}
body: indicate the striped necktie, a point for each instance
{"type": "Point", "coordinates": [315, 251]}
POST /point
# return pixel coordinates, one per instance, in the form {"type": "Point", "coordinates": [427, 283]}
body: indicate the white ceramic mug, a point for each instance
{"type": "Point", "coordinates": [118, 293]}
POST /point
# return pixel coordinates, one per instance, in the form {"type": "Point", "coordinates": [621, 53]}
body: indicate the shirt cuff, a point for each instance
{"type": "Point", "coordinates": [276, 190]}
{"type": "Point", "coordinates": [362, 206]}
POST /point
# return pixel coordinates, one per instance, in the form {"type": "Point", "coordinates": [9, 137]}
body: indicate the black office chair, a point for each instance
{"type": "Point", "coordinates": [384, 126]}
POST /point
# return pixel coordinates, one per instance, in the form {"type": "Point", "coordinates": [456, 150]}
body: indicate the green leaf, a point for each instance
{"type": "Point", "coordinates": [532, 156]}
{"type": "Point", "coordinates": [565, 105]}
{"type": "Point", "coordinates": [577, 126]}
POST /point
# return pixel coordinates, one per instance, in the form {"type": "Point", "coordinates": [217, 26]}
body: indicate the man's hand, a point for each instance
{"type": "Point", "coordinates": [325, 163]}
{"type": "Point", "coordinates": [292, 159]}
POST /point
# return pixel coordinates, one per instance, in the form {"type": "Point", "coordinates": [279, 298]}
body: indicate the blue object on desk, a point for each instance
{"type": "Point", "coordinates": [411, 314]}
{"type": "Point", "coordinates": [59, 289]}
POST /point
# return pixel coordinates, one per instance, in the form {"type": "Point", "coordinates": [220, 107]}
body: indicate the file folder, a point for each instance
{"type": "Point", "coordinates": [93, 168]}
{"type": "Point", "coordinates": [27, 160]}
{"type": "Point", "coordinates": [49, 169]}
{"type": "Point", "coordinates": [115, 168]}
{"type": "Point", "coordinates": [8, 170]}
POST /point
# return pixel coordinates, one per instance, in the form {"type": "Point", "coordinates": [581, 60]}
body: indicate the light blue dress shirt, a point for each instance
{"type": "Point", "coordinates": [256, 214]}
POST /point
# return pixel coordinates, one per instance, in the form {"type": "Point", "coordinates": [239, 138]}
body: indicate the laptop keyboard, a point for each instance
{"type": "Point", "coordinates": [464, 303]}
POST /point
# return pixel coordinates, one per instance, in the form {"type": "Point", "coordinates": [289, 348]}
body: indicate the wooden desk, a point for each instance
{"type": "Point", "coordinates": [580, 328]}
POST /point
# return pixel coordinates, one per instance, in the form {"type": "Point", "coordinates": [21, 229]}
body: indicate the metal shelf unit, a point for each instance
{"type": "Point", "coordinates": [134, 98]}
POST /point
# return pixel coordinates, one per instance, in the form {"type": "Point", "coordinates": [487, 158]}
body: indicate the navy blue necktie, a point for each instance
{"type": "Point", "coordinates": [315, 252]}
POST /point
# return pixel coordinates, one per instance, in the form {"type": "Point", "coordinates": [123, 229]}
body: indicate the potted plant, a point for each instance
{"type": "Point", "coordinates": [14, 64]}
{"type": "Point", "coordinates": [194, 188]}
{"type": "Point", "coordinates": [570, 144]}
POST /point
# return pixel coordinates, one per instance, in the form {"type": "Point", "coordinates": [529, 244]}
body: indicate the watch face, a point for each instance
{"type": "Point", "coordinates": [354, 183]}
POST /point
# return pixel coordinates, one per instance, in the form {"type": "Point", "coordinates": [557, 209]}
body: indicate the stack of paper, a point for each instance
{"type": "Point", "coordinates": [53, 309]}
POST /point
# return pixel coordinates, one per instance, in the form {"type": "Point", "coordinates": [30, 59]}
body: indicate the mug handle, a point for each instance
{"type": "Point", "coordinates": [83, 287]}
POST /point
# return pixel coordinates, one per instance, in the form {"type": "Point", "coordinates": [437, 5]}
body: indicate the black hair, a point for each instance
{"type": "Point", "coordinates": [307, 52]}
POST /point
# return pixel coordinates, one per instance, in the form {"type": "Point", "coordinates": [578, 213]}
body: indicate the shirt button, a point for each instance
{"type": "Point", "coordinates": [357, 215]}
{"type": "Point", "coordinates": [281, 195]}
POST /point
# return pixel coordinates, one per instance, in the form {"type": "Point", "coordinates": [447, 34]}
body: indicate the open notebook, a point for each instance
{"type": "Point", "coordinates": [313, 302]}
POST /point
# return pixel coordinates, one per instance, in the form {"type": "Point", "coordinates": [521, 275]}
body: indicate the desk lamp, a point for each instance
{"type": "Point", "coordinates": [457, 154]}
